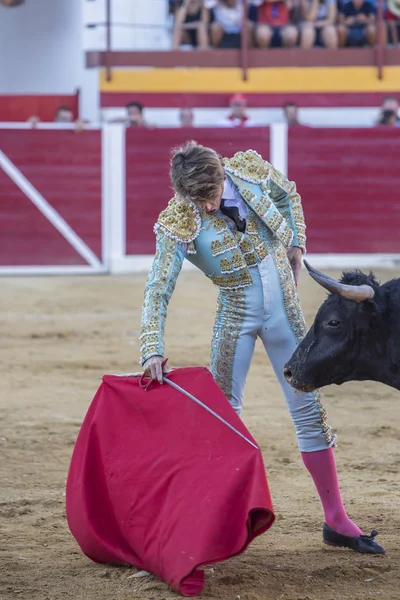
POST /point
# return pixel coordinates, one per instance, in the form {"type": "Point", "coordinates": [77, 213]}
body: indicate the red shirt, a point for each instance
{"type": "Point", "coordinates": [273, 13]}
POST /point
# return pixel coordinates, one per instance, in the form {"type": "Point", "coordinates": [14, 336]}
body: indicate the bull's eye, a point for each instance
{"type": "Point", "coordinates": [333, 323]}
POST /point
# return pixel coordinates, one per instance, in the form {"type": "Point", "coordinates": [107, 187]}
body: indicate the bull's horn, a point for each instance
{"type": "Point", "coordinates": [359, 293]}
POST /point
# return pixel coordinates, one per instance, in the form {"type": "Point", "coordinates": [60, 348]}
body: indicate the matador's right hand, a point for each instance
{"type": "Point", "coordinates": [154, 367]}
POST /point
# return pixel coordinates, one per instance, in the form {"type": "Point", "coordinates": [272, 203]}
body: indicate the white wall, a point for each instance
{"type": "Point", "coordinates": [41, 47]}
{"type": "Point", "coordinates": [41, 52]}
{"type": "Point", "coordinates": [137, 25]}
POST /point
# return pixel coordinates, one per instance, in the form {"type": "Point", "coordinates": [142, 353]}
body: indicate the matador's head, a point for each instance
{"type": "Point", "coordinates": [198, 175]}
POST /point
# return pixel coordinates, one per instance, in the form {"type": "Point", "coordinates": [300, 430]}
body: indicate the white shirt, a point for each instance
{"type": "Point", "coordinates": [232, 198]}
{"type": "Point", "coordinates": [230, 18]}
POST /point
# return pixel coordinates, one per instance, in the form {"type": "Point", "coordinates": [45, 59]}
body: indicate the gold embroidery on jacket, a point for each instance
{"type": "Point", "coordinates": [180, 221]}
{"type": "Point", "coordinates": [221, 246]}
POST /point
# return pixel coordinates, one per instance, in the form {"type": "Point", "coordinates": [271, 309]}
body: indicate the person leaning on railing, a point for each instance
{"type": "Point", "coordinates": [190, 24]}
{"type": "Point", "coordinates": [186, 117]}
{"type": "Point", "coordinates": [237, 116]}
{"type": "Point", "coordinates": [134, 116]}
{"type": "Point", "coordinates": [63, 114]}
{"type": "Point", "coordinates": [388, 118]}
{"type": "Point", "coordinates": [390, 104]}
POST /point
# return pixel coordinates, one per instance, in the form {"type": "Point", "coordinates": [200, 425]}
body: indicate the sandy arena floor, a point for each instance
{"type": "Point", "coordinates": [60, 335]}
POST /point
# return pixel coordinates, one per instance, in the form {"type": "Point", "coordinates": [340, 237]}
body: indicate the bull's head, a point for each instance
{"type": "Point", "coordinates": [330, 352]}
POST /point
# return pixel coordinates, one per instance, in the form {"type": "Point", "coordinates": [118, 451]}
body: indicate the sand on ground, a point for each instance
{"type": "Point", "coordinates": [60, 335]}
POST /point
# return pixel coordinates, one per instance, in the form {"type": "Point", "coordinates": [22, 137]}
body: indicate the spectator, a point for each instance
{"type": "Point", "coordinates": [190, 25]}
{"type": "Point", "coordinates": [237, 117]}
{"type": "Point", "coordinates": [392, 17]}
{"type": "Point", "coordinates": [135, 116]}
{"type": "Point", "coordinates": [319, 23]}
{"type": "Point", "coordinates": [186, 117]}
{"type": "Point", "coordinates": [390, 103]}
{"type": "Point", "coordinates": [34, 120]}
{"type": "Point", "coordinates": [291, 113]}
{"type": "Point", "coordinates": [226, 25]}
{"type": "Point", "coordinates": [357, 24]}
{"type": "Point", "coordinates": [64, 115]}
{"type": "Point", "coordinates": [274, 28]}
{"type": "Point", "coordinates": [388, 117]}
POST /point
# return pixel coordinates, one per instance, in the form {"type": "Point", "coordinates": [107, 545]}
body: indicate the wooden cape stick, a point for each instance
{"type": "Point", "coordinates": [179, 389]}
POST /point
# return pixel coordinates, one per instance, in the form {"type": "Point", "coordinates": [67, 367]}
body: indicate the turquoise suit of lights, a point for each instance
{"type": "Point", "coordinates": [257, 293]}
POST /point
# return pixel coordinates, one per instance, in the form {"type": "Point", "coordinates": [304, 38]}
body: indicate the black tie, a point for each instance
{"type": "Point", "coordinates": [233, 213]}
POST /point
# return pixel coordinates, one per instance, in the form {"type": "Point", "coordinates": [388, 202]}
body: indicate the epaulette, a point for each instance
{"type": "Point", "coordinates": [249, 166]}
{"type": "Point", "coordinates": [180, 221]}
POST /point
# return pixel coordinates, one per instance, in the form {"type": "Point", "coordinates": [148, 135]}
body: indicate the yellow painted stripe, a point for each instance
{"type": "Point", "coordinates": [267, 80]}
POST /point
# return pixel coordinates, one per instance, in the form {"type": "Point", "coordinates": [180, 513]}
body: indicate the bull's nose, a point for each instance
{"type": "Point", "coordinates": [288, 374]}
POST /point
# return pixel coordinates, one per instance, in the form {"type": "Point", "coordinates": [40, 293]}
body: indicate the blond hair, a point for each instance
{"type": "Point", "coordinates": [196, 172]}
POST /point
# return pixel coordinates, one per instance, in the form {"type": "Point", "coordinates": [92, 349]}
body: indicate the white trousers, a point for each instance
{"type": "Point", "coordinates": [259, 311]}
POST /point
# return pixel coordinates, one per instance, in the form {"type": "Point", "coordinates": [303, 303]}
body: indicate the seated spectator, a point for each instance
{"type": "Point", "coordinates": [357, 24]}
{"type": "Point", "coordinates": [319, 23]}
{"type": "Point", "coordinates": [274, 28]}
{"type": "Point", "coordinates": [226, 25]}
{"type": "Point", "coordinates": [190, 25]}
{"type": "Point", "coordinates": [291, 113]}
{"type": "Point", "coordinates": [237, 117]}
{"type": "Point", "coordinates": [186, 117]}
{"type": "Point", "coordinates": [389, 118]}
{"type": "Point", "coordinates": [392, 17]}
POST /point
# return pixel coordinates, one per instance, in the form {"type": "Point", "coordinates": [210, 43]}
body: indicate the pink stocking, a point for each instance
{"type": "Point", "coordinates": [322, 468]}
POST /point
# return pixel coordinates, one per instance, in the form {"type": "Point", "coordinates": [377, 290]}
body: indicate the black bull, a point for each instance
{"type": "Point", "coordinates": [355, 335]}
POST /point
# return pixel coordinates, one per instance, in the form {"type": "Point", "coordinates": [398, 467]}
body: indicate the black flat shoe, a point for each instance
{"type": "Point", "coordinates": [365, 544]}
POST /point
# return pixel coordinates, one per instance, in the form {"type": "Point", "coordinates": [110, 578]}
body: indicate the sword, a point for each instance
{"type": "Point", "coordinates": [208, 409]}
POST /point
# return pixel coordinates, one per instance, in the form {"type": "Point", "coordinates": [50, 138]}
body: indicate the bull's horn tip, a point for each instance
{"type": "Point", "coordinates": [307, 265]}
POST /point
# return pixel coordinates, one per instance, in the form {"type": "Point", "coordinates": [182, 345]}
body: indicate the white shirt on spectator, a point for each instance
{"type": "Point", "coordinates": [229, 18]}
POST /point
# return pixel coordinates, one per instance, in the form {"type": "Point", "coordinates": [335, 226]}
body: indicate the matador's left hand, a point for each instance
{"type": "Point", "coordinates": [295, 256]}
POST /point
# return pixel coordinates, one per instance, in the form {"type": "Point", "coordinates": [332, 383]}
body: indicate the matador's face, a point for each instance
{"type": "Point", "coordinates": [211, 205]}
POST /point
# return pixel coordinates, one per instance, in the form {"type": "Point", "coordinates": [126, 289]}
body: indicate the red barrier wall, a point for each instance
{"type": "Point", "coordinates": [65, 167]}
{"type": "Point", "coordinates": [349, 181]}
{"type": "Point", "coordinates": [148, 188]}
{"type": "Point", "coordinates": [14, 108]}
